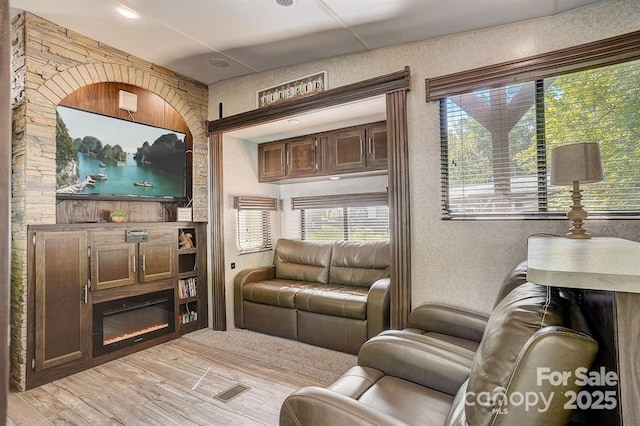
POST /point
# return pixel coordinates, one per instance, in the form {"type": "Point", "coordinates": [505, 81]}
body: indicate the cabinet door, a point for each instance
{"type": "Point", "coordinates": [377, 146]}
{"type": "Point", "coordinates": [113, 265]}
{"type": "Point", "coordinates": [157, 260]}
{"type": "Point", "coordinates": [345, 150]}
{"type": "Point", "coordinates": [301, 157]}
{"type": "Point", "coordinates": [62, 315]}
{"type": "Point", "coordinates": [271, 159]}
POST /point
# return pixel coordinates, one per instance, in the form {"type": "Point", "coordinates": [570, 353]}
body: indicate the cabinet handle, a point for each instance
{"type": "Point", "coordinates": [133, 261]}
{"type": "Point", "coordinates": [288, 158]}
{"type": "Point", "coordinates": [370, 145]}
{"type": "Point", "coordinates": [85, 295]}
{"type": "Point", "coordinates": [142, 264]}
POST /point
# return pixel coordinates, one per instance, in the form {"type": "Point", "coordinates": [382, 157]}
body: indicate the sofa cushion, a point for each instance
{"type": "Point", "coordinates": [359, 263]}
{"type": "Point", "coordinates": [334, 300]}
{"type": "Point", "coordinates": [408, 402]}
{"type": "Point", "coordinates": [275, 292]}
{"type": "Point", "coordinates": [302, 260]}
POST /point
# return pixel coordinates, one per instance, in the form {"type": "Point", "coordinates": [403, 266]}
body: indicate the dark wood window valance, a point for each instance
{"type": "Point", "coordinates": [600, 53]}
{"type": "Point", "coordinates": [255, 203]}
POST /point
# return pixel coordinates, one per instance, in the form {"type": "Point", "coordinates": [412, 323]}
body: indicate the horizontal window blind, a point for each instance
{"type": "Point", "coordinates": [358, 217]}
{"type": "Point", "coordinates": [254, 223]}
{"type": "Point", "coordinates": [496, 143]}
{"type": "Point", "coordinates": [340, 200]}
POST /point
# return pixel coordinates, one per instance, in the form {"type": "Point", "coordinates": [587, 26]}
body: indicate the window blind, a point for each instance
{"type": "Point", "coordinates": [496, 143]}
{"type": "Point", "coordinates": [254, 223]}
{"type": "Point", "coordinates": [358, 217]}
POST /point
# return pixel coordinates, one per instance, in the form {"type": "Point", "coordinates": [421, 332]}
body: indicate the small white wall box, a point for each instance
{"type": "Point", "coordinates": [128, 101]}
{"type": "Point", "coordinates": [184, 214]}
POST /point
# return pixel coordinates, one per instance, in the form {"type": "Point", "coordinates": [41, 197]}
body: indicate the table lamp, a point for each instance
{"type": "Point", "coordinates": [575, 164]}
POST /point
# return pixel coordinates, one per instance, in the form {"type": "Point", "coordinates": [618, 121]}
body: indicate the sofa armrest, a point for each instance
{"type": "Point", "coordinates": [435, 366]}
{"type": "Point", "coordinates": [318, 406]}
{"type": "Point", "coordinates": [378, 307]}
{"type": "Point", "coordinates": [244, 277]}
{"type": "Point", "coordinates": [449, 320]}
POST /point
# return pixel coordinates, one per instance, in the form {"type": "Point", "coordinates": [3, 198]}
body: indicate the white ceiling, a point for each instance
{"type": "Point", "coordinates": [258, 35]}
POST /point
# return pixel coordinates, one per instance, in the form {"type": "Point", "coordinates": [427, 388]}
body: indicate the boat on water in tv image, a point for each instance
{"type": "Point", "coordinates": [100, 156]}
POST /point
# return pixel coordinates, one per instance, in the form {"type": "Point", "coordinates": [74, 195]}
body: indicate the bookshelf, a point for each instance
{"type": "Point", "coordinates": [191, 283]}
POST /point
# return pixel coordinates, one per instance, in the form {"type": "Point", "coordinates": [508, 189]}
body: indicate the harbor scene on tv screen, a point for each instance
{"type": "Point", "coordinates": [98, 155]}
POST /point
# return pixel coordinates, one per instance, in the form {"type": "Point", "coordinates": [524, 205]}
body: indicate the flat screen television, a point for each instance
{"type": "Point", "coordinates": [110, 158]}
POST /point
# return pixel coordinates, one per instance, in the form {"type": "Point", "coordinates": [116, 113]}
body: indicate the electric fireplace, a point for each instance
{"type": "Point", "coordinates": [126, 322]}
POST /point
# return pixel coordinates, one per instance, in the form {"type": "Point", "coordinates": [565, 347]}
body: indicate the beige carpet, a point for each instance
{"type": "Point", "coordinates": [277, 353]}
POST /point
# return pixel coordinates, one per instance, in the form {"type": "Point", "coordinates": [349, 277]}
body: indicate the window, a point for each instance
{"type": "Point", "coordinates": [358, 217]}
{"type": "Point", "coordinates": [496, 143]}
{"type": "Point", "coordinates": [254, 223]}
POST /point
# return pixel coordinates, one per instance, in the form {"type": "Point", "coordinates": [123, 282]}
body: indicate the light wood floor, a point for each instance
{"type": "Point", "coordinates": [173, 383]}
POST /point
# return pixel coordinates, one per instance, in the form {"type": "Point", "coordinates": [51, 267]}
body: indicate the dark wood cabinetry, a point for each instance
{"type": "Point", "coordinates": [302, 158]}
{"type": "Point", "coordinates": [271, 161]}
{"type": "Point", "coordinates": [116, 265]}
{"type": "Point", "coordinates": [349, 150]}
{"type": "Point", "coordinates": [82, 274]}
{"type": "Point", "coordinates": [345, 150]}
{"type": "Point", "coordinates": [377, 146]}
{"type": "Point", "coordinates": [61, 306]}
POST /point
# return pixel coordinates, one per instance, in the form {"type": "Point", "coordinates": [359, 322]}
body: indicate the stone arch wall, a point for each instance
{"type": "Point", "coordinates": [48, 63]}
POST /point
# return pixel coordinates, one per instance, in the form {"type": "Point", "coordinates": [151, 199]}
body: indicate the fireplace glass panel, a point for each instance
{"type": "Point", "coordinates": [125, 322]}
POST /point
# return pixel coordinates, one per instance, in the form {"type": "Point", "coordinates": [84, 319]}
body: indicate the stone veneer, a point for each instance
{"type": "Point", "coordinates": [50, 62]}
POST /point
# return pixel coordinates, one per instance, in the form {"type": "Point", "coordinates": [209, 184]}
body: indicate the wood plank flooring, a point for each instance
{"type": "Point", "coordinates": [172, 383]}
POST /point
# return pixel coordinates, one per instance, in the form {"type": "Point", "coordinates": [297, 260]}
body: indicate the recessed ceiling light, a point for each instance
{"type": "Point", "coordinates": [286, 3]}
{"type": "Point", "coordinates": [219, 63]}
{"type": "Point", "coordinates": [293, 121]}
{"type": "Point", "coordinates": [127, 12]}
{"type": "Point", "coordinates": [334, 177]}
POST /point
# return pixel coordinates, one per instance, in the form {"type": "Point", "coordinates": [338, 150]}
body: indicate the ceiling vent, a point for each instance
{"type": "Point", "coordinates": [285, 3]}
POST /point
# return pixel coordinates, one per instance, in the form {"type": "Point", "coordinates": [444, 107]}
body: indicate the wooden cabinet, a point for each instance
{"type": "Point", "coordinates": [302, 157]}
{"type": "Point", "coordinates": [116, 265]}
{"type": "Point", "coordinates": [349, 150]}
{"type": "Point", "coordinates": [271, 161]}
{"type": "Point", "coordinates": [61, 326]}
{"type": "Point", "coordinates": [76, 270]}
{"type": "Point", "coordinates": [345, 150]}
{"type": "Point", "coordinates": [113, 265]}
{"type": "Point", "coordinates": [377, 146]}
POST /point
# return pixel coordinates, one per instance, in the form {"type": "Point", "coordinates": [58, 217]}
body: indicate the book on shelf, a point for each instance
{"type": "Point", "coordinates": [187, 287]}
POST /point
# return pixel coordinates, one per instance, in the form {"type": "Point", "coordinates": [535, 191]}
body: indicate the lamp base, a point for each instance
{"type": "Point", "coordinates": [577, 214]}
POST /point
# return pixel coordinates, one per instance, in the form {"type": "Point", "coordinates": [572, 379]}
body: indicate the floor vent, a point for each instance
{"type": "Point", "coordinates": [232, 392]}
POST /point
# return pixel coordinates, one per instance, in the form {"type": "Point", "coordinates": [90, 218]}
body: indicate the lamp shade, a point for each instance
{"type": "Point", "coordinates": [576, 162]}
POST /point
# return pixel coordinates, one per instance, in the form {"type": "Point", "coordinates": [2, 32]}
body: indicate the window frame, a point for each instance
{"type": "Point", "coordinates": [601, 53]}
{"type": "Point", "coordinates": [250, 205]}
{"type": "Point", "coordinates": [342, 201]}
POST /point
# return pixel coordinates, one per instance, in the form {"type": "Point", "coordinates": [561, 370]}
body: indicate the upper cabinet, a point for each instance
{"type": "Point", "coordinates": [302, 157]}
{"type": "Point", "coordinates": [271, 161]}
{"type": "Point", "coordinates": [350, 150]}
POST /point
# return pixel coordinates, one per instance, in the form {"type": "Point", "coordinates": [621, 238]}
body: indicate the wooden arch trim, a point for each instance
{"type": "Point", "coordinates": [394, 86]}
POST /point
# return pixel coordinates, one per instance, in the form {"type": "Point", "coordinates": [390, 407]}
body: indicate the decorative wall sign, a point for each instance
{"type": "Point", "coordinates": [185, 214]}
{"type": "Point", "coordinates": [304, 86]}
